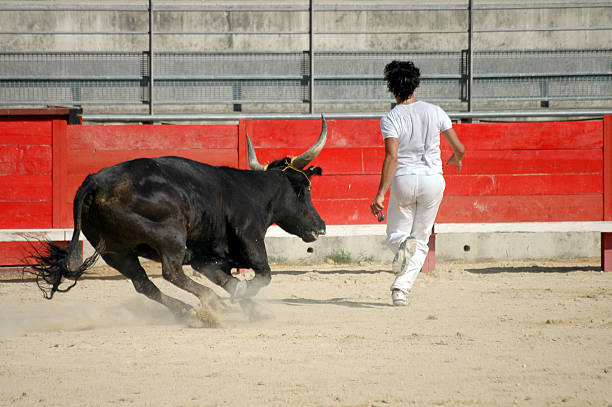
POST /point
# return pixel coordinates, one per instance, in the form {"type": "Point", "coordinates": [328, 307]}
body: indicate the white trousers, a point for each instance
{"type": "Point", "coordinates": [413, 205]}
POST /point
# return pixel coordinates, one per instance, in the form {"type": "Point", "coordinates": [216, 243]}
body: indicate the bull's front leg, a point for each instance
{"type": "Point", "coordinates": [261, 279]}
{"type": "Point", "coordinates": [252, 308]}
{"type": "Point", "coordinates": [253, 253]}
{"type": "Point", "coordinates": [237, 289]}
{"type": "Point", "coordinates": [219, 274]}
{"type": "Point", "coordinates": [240, 291]}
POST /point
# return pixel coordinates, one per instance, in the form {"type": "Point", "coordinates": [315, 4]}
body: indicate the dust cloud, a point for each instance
{"type": "Point", "coordinates": [47, 316]}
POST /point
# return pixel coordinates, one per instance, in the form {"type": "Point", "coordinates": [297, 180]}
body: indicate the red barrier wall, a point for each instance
{"type": "Point", "coordinates": [25, 174]}
{"type": "Point", "coordinates": [538, 171]}
{"type": "Point", "coordinates": [351, 162]}
{"type": "Point", "coordinates": [91, 148]}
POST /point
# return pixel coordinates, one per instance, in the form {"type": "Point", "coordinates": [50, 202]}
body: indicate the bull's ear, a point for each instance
{"type": "Point", "coordinates": [314, 171]}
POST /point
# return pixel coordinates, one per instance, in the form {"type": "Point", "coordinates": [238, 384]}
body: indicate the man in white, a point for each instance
{"type": "Point", "coordinates": [412, 168]}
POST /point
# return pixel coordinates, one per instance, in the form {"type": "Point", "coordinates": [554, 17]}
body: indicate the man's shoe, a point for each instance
{"type": "Point", "coordinates": [403, 255]}
{"type": "Point", "coordinates": [399, 298]}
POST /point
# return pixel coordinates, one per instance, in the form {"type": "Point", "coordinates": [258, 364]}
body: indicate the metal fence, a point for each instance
{"type": "Point", "coordinates": [300, 78]}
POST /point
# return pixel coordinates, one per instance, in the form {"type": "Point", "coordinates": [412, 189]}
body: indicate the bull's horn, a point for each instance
{"type": "Point", "coordinates": [253, 163]}
{"type": "Point", "coordinates": [306, 157]}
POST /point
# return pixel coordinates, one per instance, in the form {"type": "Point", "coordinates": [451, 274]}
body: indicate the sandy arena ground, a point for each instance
{"type": "Point", "coordinates": [486, 334]}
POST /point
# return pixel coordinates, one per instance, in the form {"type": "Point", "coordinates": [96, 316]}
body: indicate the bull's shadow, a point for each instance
{"type": "Point", "coordinates": [331, 272]}
{"type": "Point", "coordinates": [333, 301]}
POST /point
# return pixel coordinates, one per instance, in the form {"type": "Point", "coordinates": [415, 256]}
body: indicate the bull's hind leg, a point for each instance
{"type": "Point", "coordinates": [129, 266]}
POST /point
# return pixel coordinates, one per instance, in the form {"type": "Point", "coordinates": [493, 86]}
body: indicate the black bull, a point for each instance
{"type": "Point", "coordinates": [178, 211]}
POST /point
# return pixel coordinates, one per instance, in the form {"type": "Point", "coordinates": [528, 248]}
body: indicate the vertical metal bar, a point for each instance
{"type": "Point", "coordinates": [151, 70]}
{"type": "Point", "coordinates": [544, 92]}
{"type": "Point", "coordinates": [312, 65]}
{"type": "Point", "coordinates": [470, 53]}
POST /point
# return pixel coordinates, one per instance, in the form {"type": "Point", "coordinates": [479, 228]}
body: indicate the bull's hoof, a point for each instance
{"type": "Point", "coordinates": [208, 318]}
{"type": "Point", "coordinates": [255, 311]}
{"type": "Point", "coordinates": [240, 291]}
{"type": "Point", "coordinates": [202, 318]}
{"type": "Point", "coordinates": [214, 303]}
{"type": "Point", "coordinates": [192, 320]}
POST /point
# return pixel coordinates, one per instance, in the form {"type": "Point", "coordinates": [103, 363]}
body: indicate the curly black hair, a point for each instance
{"type": "Point", "coordinates": [402, 77]}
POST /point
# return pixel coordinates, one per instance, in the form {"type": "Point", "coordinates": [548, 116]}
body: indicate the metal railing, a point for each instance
{"type": "Point", "coordinates": [574, 114]}
{"type": "Point", "coordinates": [312, 77]}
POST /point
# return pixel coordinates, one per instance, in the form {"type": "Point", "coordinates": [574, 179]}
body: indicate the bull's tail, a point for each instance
{"type": "Point", "coordinates": [51, 263]}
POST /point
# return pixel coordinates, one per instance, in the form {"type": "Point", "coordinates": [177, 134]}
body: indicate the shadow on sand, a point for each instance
{"type": "Point", "coordinates": [333, 301]}
{"type": "Point", "coordinates": [332, 272]}
{"type": "Point", "coordinates": [533, 269]}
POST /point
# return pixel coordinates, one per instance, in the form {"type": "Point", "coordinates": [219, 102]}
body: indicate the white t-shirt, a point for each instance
{"type": "Point", "coordinates": [417, 126]}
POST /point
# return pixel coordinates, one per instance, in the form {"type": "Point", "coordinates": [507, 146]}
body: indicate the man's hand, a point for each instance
{"type": "Point", "coordinates": [377, 207]}
{"type": "Point", "coordinates": [455, 160]}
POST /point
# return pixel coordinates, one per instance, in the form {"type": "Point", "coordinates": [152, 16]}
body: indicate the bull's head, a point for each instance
{"type": "Point", "coordinates": [297, 215]}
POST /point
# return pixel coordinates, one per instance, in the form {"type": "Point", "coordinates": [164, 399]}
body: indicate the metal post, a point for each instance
{"type": "Point", "coordinates": [151, 31]}
{"type": "Point", "coordinates": [470, 53]}
{"type": "Point", "coordinates": [311, 56]}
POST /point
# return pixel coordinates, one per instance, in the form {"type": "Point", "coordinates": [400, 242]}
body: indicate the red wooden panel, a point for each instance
{"type": "Point", "coordinates": [373, 158]}
{"type": "Point", "coordinates": [25, 159]}
{"type": "Point", "coordinates": [542, 208]}
{"type": "Point", "coordinates": [345, 187]}
{"type": "Point", "coordinates": [25, 215]}
{"type": "Point", "coordinates": [301, 134]}
{"type": "Point", "coordinates": [362, 132]}
{"type": "Point", "coordinates": [485, 136]}
{"type": "Point", "coordinates": [539, 184]}
{"type": "Point", "coordinates": [25, 132]}
{"type": "Point", "coordinates": [286, 133]}
{"type": "Point", "coordinates": [25, 174]}
{"type": "Point", "coordinates": [152, 137]}
{"type": "Point", "coordinates": [82, 162]}
{"type": "Point", "coordinates": [10, 153]}
{"type": "Point", "coordinates": [17, 253]}
{"type": "Point", "coordinates": [531, 135]}
{"type": "Point", "coordinates": [14, 253]}
{"type": "Point", "coordinates": [529, 161]}
{"type": "Point", "coordinates": [62, 213]}
{"type": "Point", "coordinates": [25, 188]}
{"type": "Point", "coordinates": [331, 160]}
{"type": "Point", "coordinates": [345, 211]}
{"type": "Point", "coordinates": [355, 210]}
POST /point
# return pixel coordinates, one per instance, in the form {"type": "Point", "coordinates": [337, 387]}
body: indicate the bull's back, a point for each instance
{"type": "Point", "coordinates": [150, 174]}
{"type": "Point", "coordinates": [137, 205]}
{"type": "Point", "coordinates": [161, 187]}
{"type": "Point", "coordinates": [181, 182]}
